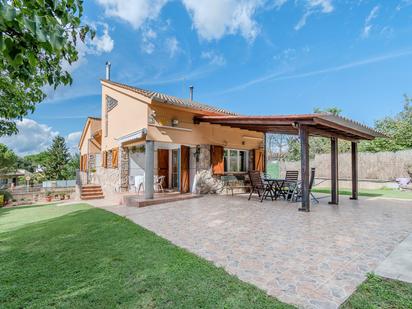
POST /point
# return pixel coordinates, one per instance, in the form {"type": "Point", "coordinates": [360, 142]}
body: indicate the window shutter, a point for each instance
{"type": "Point", "coordinates": [217, 160]}
{"type": "Point", "coordinates": [104, 159]}
{"type": "Point", "coordinates": [259, 164]}
{"type": "Point", "coordinates": [85, 162]}
{"type": "Point", "coordinates": [115, 157]}
{"type": "Point", "coordinates": [81, 163]}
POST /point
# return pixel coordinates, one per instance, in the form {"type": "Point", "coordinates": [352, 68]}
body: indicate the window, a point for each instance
{"type": "Point", "coordinates": [235, 160]}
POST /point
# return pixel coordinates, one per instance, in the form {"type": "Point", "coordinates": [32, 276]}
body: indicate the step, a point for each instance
{"type": "Point", "coordinates": [92, 197]}
{"type": "Point", "coordinates": [92, 191]}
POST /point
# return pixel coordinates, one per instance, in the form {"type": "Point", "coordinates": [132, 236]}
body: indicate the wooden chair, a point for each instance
{"type": "Point", "coordinates": [289, 185]}
{"type": "Point", "coordinates": [257, 185]}
{"type": "Point", "coordinates": [297, 192]}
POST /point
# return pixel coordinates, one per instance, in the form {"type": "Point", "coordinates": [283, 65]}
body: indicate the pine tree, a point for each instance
{"type": "Point", "coordinates": [58, 158]}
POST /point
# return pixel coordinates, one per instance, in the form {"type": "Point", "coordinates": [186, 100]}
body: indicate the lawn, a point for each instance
{"type": "Point", "coordinates": [377, 292]}
{"type": "Point", "coordinates": [388, 193]}
{"type": "Point", "coordinates": [75, 256]}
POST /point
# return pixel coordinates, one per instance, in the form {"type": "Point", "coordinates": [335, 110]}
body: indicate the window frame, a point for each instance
{"type": "Point", "coordinates": [227, 159]}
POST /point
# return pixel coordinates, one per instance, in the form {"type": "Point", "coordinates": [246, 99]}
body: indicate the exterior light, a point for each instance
{"type": "Point", "coordinates": [175, 122]}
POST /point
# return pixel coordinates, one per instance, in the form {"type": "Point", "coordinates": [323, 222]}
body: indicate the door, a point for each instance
{"type": "Point", "coordinates": [184, 169]}
{"type": "Point", "coordinates": [163, 165]}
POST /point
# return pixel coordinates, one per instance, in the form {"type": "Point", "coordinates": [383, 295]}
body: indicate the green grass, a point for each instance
{"type": "Point", "coordinates": [75, 256]}
{"type": "Point", "coordinates": [388, 193]}
{"type": "Point", "coordinates": [273, 169]}
{"type": "Point", "coordinates": [377, 292]}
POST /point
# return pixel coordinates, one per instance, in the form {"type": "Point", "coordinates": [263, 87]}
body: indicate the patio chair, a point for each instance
{"type": "Point", "coordinates": [259, 186]}
{"type": "Point", "coordinates": [158, 183]}
{"type": "Point", "coordinates": [297, 192]}
{"type": "Point", "coordinates": [289, 185]}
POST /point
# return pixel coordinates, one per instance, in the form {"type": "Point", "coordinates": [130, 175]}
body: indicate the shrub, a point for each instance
{"type": "Point", "coordinates": [7, 195]}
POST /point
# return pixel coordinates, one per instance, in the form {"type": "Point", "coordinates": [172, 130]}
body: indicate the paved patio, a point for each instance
{"type": "Point", "coordinates": [313, 260]}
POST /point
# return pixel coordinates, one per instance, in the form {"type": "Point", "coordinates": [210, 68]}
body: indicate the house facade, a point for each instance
{"type": "Point", "coordinates": [143, 134]}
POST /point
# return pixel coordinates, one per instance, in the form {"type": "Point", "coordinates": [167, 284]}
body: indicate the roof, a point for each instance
{"type": "Point", "coordinates": [171, 100]}
{"type": "Point", "coordinates": [86, 125]}
{"type": "Point", "coordinates": [326, 125]}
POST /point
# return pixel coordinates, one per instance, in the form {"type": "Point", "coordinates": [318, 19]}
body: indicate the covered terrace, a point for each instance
{"type": "Point", "coordinates": [325, 125]}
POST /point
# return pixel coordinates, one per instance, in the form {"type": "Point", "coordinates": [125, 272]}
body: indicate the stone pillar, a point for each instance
{"type": "Point", "coordinates": [149, 170]}
{"type": "Point", "coordinates": [124, 169]}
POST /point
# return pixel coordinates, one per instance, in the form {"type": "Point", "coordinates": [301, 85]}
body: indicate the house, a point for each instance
{"type": "Point", "coordinates": [145, 133]}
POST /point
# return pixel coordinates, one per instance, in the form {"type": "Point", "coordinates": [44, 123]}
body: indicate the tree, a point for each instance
{"type": "Point", "coordinates": [8, 159]}
{"type": "Point", "coordinates": [398, 128]}
{"type": "Point", "coordinates": [37, 38]}
{"type": "Point", "coordinates": [72, 166]}
{"type": "Point", "coordinates": [277, 146]}
{"type": "Point", "coordinates": [57, 160]}
{"type": "Point", "coordinates": [317, 145]}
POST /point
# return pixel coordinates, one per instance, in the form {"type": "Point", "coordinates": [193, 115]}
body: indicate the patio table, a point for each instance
{"type": "Point", "coordinates": [277, 186]}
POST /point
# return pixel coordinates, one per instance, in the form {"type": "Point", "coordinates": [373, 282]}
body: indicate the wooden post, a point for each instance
{"type": "Point", "coordinates": [334, 171]}
{"type": "Point", "coordinates": [354, 171]}
{"type": "Point", "coordinates": [264, 153]}
{"type": "Point", "coordinates": [304, 165]}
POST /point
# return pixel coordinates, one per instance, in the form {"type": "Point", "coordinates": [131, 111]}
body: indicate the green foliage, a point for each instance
{"type": "Point", "coordinates": [8, 159]}
{"type": "Point", "coordinates": [317, 145]}
{"type": "Point", "coordinates": [33, 161]}
{"type": "Point", "coordinates": [57, 160]}
{"type": "Point", "coordinates": [398, 128]}
{"type": "Point", "coordinates": [73, 165]}
{"type": "Point", "coordinates": [37, 37]}
{"type": "Point", "coordinates": [7, 195]}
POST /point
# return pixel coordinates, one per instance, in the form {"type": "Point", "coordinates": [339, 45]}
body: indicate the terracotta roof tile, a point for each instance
{"type": "Point", "coordinates": [168, 99]}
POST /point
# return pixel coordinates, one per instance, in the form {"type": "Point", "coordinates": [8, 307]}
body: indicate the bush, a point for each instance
{"type": "Point", "coordinates": [7, 195]}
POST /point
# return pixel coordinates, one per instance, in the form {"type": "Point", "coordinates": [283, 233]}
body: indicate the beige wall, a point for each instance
{"type": "Point", "coordinates": [128, 116]}
{"type": "Point", "coordinates": [203, 133]}
{"type": "Point", "coordinates": [87, 147]}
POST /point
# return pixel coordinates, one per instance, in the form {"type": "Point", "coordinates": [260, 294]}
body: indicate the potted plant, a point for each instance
{"type": "Point", "coordinates": [48, 196]}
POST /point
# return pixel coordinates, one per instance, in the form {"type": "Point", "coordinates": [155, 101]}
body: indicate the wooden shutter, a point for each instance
{"type": "Point", "coordinates": [85, 162]}
{"type": "Point", "coordinates": [81, 163]}
{"type": "Point", "coordinates": [218, 166]}
{"type": "Point", "coordinates": [259, 160]}
{"type": "Point", "coordinates": [115, 157]}
{"type": "Point", "coordinates": [184, 169]}
{"type": "Point", "coordinates": [104, 159]}
{"type": "Point", "coordinates": [163, 164]}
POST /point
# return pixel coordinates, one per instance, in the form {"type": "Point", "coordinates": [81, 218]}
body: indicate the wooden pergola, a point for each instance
{"type": "Point", "coordinates": [325, 125]}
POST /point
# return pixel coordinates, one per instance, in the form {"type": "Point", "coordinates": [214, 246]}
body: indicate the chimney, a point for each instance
{"type": "Point", "coordinates": [108, 70]}
{"type": "Point", "coordinates": [191, 92]}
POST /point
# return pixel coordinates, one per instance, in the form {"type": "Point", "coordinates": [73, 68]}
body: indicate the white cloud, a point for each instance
{"type": "Point", "coordinates": [314, 6]}
{"type": "Point", "coordinates": [172, 46]}
{"type": "Point", "coordinates": [213, 58]}
{"type": "Point", "coordinates": [213, 19]}
{"type": "Point", "coordinates": [368, 21]}
{"type": "Point", "coordinates": [134, 12]}
{"type": "Point", "coordinates": [103, 43]}
{"type": "Point", "coordinates": [72, 141]}
{"type": "Point", "coordinates": [33, 137]}
{"type": "Point", "coordinates": [278, 76]}
{"type": "Point", "coordinates": [148, 41]}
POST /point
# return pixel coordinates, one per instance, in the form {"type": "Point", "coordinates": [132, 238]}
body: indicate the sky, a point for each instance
{"type": "Point", "coordinates": [254, 57]}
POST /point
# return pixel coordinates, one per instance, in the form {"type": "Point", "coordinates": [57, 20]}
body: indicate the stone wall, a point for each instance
{"type": "Point", "coordinates": [107, 178]}
{"type": "Point", "coordinates": [124, 169]}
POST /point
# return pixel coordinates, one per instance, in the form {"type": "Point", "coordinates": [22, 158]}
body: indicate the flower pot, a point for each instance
{"type": "Point", "coordinates": [48, 198]}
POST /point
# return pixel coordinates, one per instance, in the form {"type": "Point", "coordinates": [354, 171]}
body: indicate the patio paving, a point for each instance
{"type": "Point", "coordinates": [312, 260]}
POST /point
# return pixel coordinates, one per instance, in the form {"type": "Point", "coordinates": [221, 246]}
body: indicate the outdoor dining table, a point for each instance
{"type": "Point", "coordinates": [277, 186]}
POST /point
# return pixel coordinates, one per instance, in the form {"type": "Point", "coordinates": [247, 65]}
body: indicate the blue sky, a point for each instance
{"type": "Point", "coordinates": [252, 57]}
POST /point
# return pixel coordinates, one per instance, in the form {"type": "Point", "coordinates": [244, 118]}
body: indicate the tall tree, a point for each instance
{"type": "Point", "coordinates": [57, 160]}
{"type": "Point", "coordinates": [398, 128]}
{"type": "Point", "coordinates": [37, 39]}
{"type": "Point", "coordinates": [8, 159]}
